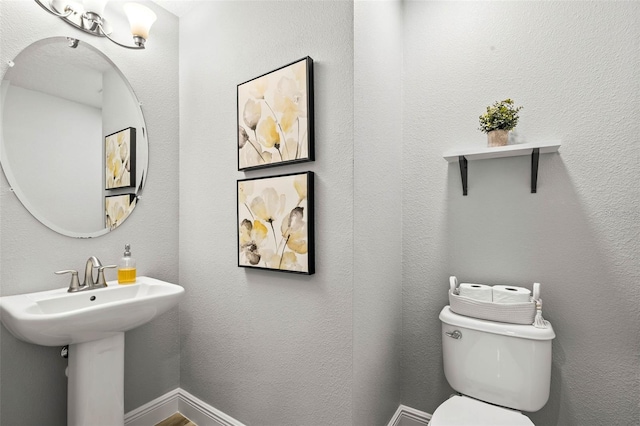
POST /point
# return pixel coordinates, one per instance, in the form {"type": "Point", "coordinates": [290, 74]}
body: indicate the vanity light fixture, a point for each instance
{"type": "Point", "coordinates": [87, 15]}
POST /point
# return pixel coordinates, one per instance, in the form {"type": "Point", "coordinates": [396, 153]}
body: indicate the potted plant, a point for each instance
{"type": "Point", "coordinates": [500, 118]}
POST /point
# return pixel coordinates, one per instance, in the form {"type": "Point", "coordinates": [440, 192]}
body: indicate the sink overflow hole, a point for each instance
{"type": "Point", "coordinates": [92, 298]}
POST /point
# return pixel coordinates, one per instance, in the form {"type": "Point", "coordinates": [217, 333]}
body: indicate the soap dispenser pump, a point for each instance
{"type": "Point", "coordinates": [127, 267]}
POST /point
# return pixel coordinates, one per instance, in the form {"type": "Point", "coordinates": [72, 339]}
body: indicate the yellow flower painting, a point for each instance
{"type": "Point", "coordinates": [275, 223]}
{"type": "Point", "coordinates": [120, 159]}
{"type": "Point", "coordinates": [275, 117]}
{"type": "Point", "coordinates": [117, 209]}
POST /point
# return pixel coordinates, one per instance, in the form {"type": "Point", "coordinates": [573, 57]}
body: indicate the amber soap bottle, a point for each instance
{"type": "Point", "coordinates": [127, 267]}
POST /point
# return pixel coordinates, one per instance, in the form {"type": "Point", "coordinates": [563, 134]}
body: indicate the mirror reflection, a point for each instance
{"type": "Point", "coordinates": [73, 141]}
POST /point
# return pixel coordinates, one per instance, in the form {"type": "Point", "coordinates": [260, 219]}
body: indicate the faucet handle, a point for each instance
{"type": "Point", "coordinates": [102, 282]}
{"type": "Point", "coordinates": [75, 283]}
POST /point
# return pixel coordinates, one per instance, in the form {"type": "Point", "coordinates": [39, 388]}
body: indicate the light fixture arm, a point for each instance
{"type": "Point", "coordinates": [93, 23]}
{"type": "Point", "coordinates": [139, 41]}
{"type": "Point", "coordinates": [67, 10]}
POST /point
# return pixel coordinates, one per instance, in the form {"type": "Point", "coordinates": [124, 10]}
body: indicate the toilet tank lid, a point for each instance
{"type": "Point", "coordinates": [513, 330]}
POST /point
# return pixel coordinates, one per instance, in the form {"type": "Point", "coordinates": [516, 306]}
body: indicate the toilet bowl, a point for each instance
{"type": "Point", "coordinates": [498, 368]}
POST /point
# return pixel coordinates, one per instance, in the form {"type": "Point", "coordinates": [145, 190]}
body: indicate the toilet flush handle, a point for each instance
{"type": "Point", "coordinates": [455, 334]}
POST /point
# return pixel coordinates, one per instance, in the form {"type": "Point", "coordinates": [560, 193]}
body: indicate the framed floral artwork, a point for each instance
{"type": "Point", "coordinates": [118, 208]}
{"type": "Point", "coordinates": [120, 159]}
{"type": "Point", "coordinates": [275, 117]}
{"type": "Point", "coordinates": [275, 223]}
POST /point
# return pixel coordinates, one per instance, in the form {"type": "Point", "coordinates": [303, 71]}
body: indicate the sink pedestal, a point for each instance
{"type": "Point", "coordinates": [95, 394]}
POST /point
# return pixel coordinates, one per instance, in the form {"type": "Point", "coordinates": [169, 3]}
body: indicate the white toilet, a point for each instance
{"type": "Point", "coordinates": [498, 368]}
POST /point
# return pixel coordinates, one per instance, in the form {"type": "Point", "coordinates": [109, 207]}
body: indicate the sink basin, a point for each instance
{"type": "Point", "coordinates": [57, 318]}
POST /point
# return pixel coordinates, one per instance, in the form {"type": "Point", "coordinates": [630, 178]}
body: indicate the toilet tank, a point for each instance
{"type": "Point", "coordinates": [504, 364]}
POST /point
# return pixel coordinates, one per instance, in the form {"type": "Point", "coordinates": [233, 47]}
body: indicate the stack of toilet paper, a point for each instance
{"type": "Point", "coordinates": [495, 294]}
{"type": "Point", "coordinates": [500, 303]}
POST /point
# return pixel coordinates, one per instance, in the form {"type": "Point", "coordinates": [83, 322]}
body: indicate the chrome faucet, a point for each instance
{"type": "Point", "coordinates": [89, 282]}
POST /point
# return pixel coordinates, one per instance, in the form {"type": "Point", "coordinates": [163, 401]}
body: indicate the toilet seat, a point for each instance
{"type": "Point", "coordinates": [465, 411]}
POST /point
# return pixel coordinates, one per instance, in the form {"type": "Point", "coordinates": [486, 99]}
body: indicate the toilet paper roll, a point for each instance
{"type": "Point", "coordinates": [476, 291]}
{"type": "Point", "coordinates": [510, 294]}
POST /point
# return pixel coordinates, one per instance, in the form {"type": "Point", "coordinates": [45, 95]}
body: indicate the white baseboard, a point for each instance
{"type": "Point", "coordinates": [406, 416]}
{"type": "Point", "coordinates": [155, 411]}
{"type": "Point", "coordinates": [178, 400]}
{"type": "Point", "coordinates": [203, 414]}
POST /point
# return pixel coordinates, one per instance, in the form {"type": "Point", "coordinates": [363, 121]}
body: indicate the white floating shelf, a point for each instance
{"type": "Point", "coordinates": [462, 156]}
{"type": "Point", "coordinates": [485, 153]}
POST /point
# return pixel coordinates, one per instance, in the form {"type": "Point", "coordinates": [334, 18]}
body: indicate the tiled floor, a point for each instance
{"type": "Point", "coordinates": [176, 420]}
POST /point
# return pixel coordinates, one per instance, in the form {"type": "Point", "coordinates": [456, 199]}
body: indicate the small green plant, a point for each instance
{"type": "Point", "coordinates": [502, 115]}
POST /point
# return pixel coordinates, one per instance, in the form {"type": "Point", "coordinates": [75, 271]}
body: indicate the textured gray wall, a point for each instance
{"type": "Point", "coordinates": [30, 252]}
{"type": "Point", "coordinates": [267, 348]}
{"type": "Point", "coordinates": [377, 227]}
{"type": "Point", "coordinates": [575, 66]}
{"type": "Point", "coordinates": [271, 348]}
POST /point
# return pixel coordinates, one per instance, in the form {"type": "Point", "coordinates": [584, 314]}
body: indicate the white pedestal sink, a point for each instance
{"type": "Point", "coordinates": [92, 323]}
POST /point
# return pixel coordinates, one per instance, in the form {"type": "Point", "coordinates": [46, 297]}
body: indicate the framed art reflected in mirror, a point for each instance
{"type": "Point", "coordinates": [117, 209]}
{"type": "Point", "coordinates": [120, 159]}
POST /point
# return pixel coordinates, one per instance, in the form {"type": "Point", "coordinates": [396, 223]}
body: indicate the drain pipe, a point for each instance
{"type": "Point", "coordinates": [64, 353]}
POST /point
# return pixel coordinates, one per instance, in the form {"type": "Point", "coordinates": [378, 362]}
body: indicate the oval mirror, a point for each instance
{"type": "Point", "coordinates": [73, 142]}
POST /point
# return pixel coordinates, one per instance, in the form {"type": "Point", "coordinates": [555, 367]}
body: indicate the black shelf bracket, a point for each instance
{"type": "Point", "coordinates": [463, 173]}
{"type": "Point", "coordinates": [535, 156]}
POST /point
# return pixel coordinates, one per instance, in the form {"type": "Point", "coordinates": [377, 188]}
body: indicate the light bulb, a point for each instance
{"type": "Point", "coordinates": [140, 18]}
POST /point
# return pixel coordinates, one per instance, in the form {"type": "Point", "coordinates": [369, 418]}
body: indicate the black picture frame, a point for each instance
{"type": "Point", "coordinates": [276, 223]}
{"type": "Point", "coordinates": [274, 107]}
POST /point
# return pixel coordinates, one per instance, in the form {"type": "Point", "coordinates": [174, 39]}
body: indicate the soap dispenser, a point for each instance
{"type": "Point", "coordinates": [127, 267]}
